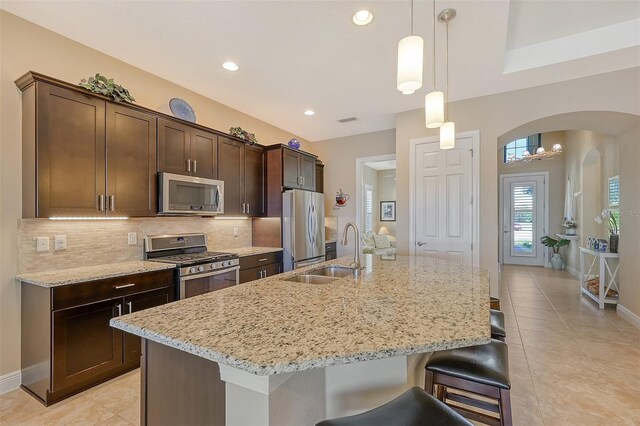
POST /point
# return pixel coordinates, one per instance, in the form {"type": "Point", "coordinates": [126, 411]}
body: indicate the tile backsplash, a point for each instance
{"type": "Point", "coordinates": [96, 242]}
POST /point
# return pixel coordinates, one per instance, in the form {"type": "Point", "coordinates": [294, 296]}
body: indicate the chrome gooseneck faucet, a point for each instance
{"type": "Point", "coordinates": [345, 241]}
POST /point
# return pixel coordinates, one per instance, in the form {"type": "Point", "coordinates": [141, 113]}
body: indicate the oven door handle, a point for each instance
{"type": "Point", "coordinates": [209, 274]}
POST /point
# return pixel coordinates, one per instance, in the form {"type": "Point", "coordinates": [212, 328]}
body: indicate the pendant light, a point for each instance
{"type": "Point", "coordinates": [434, 100]}
{"type": "Point", "coordinates": [448, 129]}
{"type": "Point", "coordinates": [410, 50]}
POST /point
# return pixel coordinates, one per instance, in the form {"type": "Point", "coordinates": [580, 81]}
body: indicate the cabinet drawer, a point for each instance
{"type": "Point", "coordinates": [260, 260]}
{"type": "Point", "coordinates": [92, 291]}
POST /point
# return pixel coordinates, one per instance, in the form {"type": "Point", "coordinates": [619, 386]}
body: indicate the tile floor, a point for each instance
{"type": "Point", "coordinates": [571, 364]}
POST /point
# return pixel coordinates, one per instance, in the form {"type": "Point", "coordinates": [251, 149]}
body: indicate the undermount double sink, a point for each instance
{"type": "Point", "coordinates": [323, 275]}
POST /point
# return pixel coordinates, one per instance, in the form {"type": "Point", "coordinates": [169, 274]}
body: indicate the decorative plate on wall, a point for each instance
{"type": "Point", "coordinates": [181, 109]}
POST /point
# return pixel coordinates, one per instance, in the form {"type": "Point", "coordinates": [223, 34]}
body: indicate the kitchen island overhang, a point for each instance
{"type": "Point", "coordinates": [273, 337]}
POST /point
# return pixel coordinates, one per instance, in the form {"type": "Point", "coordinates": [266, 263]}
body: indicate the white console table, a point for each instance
{"type": "Point", "coordinates": [602, 262]}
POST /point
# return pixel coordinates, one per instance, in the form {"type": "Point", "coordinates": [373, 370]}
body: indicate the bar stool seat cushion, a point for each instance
{"type": "Point", "coordinates": [486, 364]}
{"type": "Point", "coordinates": [415, 407]}
{"type": "Point", "coordinates": [497, 324]}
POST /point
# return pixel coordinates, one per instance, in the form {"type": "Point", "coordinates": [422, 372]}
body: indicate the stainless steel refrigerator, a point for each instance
{"type": "Point", "coordinates": [302, 228]}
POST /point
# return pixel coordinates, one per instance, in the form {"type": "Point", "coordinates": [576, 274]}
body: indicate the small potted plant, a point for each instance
{"type": "Point", "coordinates": [556, 259]}
{"type": "Point", "coordinates": [614, 232]}
{"type": "Point", "coordinates": [569, 227]}
{"type": "Point", "coordinates": [107, 87]}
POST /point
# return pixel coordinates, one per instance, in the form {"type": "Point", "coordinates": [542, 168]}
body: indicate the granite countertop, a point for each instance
{"type": "Point", "coordinates": [395, 307]}
{"type": "Point", "coordinates": [251, 251]}
{"type": "Point", "coordinates": [62, 277]}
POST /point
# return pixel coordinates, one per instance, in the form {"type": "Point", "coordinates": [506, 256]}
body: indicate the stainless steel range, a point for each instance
{"type": "Point", "coordinates": [198, 270]}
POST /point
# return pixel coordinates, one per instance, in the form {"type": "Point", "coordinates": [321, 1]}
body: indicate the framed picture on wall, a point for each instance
{"type": "Point", "coordinates": [387, 211]}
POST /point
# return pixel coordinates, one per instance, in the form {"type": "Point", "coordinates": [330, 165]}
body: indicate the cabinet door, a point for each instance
{"type": "Point", "coordinates": [84, 345]}
{"type": "Point", "coordinates": [250, 274]}
{"type": "Point", "coordinates": [272, 269]}
{"type": "Point", "coordinates": [254, 180]}
{"type": "Point", "coordinates": [290, 169]}
{"type": "Point", "coordinates": [319, 178]}
{"type": "Point", "coordinates": [139, 302]}
{"type": "Point", "coordinates": [231, 171]}
{"type": "Point", "coordinates": [174, 143]}
{"type": "Point", "coordinates": [70, 153]}
{"type": "Point", "coordinates": [131, 162]}
{"type": "Point", "coordinates": [308, 172]}
{"type": "Point", "coordinates": [204, 154]}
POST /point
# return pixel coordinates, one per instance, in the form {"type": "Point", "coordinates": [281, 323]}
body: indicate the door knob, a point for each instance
{"type": "Point", "coordinates": [420, 243]}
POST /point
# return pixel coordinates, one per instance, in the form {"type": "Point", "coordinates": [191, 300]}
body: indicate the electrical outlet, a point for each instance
{"type": "Point", "coordinates": [132, 238]}
{"type": "Point", "coordinates": [235, 231]}
{"type": "Point", "coordinates": [60, 242]}
{"type": "Point", "coordinates": [42, 244]}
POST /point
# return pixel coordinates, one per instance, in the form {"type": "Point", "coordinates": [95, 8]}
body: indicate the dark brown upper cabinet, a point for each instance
{"type": "Point", "coordinates": [131, 162]}
{"type": "Point", "coordinates": [242, 172]}
{"type": "Point", "coordinates": [287, 168]}
{"type": "Point", "coordinates": [84, 156]}
{"type": "Point", "coordinates": [186, 150]}
{"type": "Point", "coordinates": [319, 177]}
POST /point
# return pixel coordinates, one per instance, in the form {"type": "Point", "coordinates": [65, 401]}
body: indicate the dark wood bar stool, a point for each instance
{"type": "Point", "coordinates": [494, 303]}
{"type": "Point", "coordinates": [477, 370]}
{"type": "Point", "coordinates": [415, 407]}
{"type": "Point", "coordinates": [498, 330]}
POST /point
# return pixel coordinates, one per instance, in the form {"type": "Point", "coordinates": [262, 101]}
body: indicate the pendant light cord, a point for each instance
{"type": "Point", "coordinates": [446, 87]}
{"type": "Point", "coordinates": [411, 21]}
{"type": "Point", "coordinates": [434, 45]}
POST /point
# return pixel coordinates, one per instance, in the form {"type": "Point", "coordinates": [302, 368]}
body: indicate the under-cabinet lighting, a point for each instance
{"type": "Point", "coordinates": [89, 218]}
{"type": "Point", "coordinates": [231, 218]}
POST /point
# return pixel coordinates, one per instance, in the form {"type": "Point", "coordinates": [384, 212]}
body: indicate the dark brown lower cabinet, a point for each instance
{"type": "Point", "coordinates": [260, 266]}
{"type": "Point", "coordinates": [67, 343]}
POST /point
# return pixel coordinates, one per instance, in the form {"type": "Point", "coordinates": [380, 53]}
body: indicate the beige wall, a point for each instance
{"type": "Point", "coordinates": [556, 183]}
{"type": "Point", "coordinates": [340, 156]}
{"type": "Point", "coordinates": [25, 46]}
{"type": "Point", "coordinates": [591, 158]}
{"type": "Point", "coordinates": [629, 144]}
{"type": "Point", "coordinates": [386, 192]}
{"type": "Point", "coordinates": [496, 115]}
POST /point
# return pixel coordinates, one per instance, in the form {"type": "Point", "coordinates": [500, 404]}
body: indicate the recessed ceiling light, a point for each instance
{"type": "Point", "coordinates": [309, 112]}
{"type": "Point", "coordinates": [230, 66]}
{"type": "Point", "coordinates": [362, 17]}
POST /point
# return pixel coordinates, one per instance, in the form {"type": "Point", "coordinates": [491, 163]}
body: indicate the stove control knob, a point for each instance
{"type": "Point", "coordinates": [224, 263]}
{"type": "Point", "coordinates": [212, 266]}
{"type": "Point", "coordinates": [201, 268]}
{"type": "Point", "coordinates": [193, 270]}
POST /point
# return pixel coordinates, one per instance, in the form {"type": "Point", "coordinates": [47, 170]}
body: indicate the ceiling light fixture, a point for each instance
{"type": "Point", "coordinates": [410, 50]}
{"type": "Point", "coordinates": [448, 129]}
{"type": "Point", "coordinates": [309, 112]}
{"type": "Point", "coordinates": [230, 66]}
{"type": "Point", "coordinates": [434, 100]}
{"type": "Point", "coordinates": [362, 17]}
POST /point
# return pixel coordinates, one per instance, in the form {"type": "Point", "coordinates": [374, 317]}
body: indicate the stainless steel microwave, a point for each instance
{"type": "Point", "coordinates": [182, 195]}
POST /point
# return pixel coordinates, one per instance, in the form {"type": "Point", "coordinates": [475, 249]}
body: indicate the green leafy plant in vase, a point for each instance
{"type": "Point", "coordinates": [556, 259]}
{"type": "Point", "coordinates": [106, 87]}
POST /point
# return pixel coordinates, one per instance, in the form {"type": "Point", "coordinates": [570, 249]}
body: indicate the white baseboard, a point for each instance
{"type": "Point", "coordinates": [572, 271]}
{"type": "Point", "coordinates": [628, 315]}
{"type": "Point", "coordinates": [10, 381]}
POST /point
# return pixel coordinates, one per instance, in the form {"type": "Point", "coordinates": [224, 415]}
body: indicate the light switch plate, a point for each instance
{"type": "Point", "coordinates": [42, 244]}
{"type": "Point", "coordinates": [132, 238]}
{"type": "Point", "coordinates": [235, 231]}
{"type": "Point", "coordinates": [60, 242]}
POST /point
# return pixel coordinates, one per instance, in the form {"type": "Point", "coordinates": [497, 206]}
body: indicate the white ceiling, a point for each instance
{"type": "Point", "coordinates": [382, 165]}
{"type": "Point", "coordinates": [297, 55]}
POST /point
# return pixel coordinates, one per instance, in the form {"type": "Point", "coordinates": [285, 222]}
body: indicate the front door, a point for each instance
{"type": "Point", "coordinates": [523, 219]}
{"type": "Point", "coordinates": [443, 201]}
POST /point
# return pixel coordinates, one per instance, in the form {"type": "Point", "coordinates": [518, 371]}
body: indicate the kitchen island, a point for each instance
{"type": "Point", "coordinates": [279, 352]}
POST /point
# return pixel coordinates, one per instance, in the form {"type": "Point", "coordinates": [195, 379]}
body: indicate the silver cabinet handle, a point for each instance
{"type": "Point", "coordinates": [189, 164]}
{"type": "Point", "coordinates": [118, 287]}
{"type": "Point", "coordinates": [248, 208]}
{"type": "Point", "coordinates": [130, 304]}
{"type": "Point", "coordinates": [119, 308]}
{"type": "Point", "coordinates": [264, 259]}
{"type": "Point", "coordinates": [303, 180]}
{"type": "Point", "coordinates": [101, 202]}
{"type": "Point", "coordinates": [244, 208]}
{"type": "Point", "coordinates": [265, 273]}
{"type": "Point", "coordinates": [112, 202]}
{"type": "Point", "coordinates": [420, 243]}
{"type": "Point", "coordinates": [195, 166]}
{"type": "Point", "coordinates": [261, 274]}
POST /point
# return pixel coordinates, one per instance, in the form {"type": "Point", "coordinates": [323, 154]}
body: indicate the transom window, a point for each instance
{"type": "Point", "coordinates": [514, 150]}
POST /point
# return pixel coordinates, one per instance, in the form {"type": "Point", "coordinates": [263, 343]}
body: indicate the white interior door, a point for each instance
{"type": "Point", "coordinates": [443, 201]}
{"type": "Point", "coordinates": [523, 220]}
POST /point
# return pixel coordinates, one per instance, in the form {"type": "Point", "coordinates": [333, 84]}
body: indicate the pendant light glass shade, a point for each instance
{"type": "Point", "coordinates": [434, 109]}
{"type": "Point", "coordinates": [410, 50]}
{"type": "Point", "coordinates": [448, 135]}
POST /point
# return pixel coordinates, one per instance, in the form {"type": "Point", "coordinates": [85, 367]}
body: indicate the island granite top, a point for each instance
{"type": "Point", "coordinates": [251, 251]}
{"type": "Point", "coordinates": [270, 326]}
{"type": "Point", "coordinates": [68, 276]}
